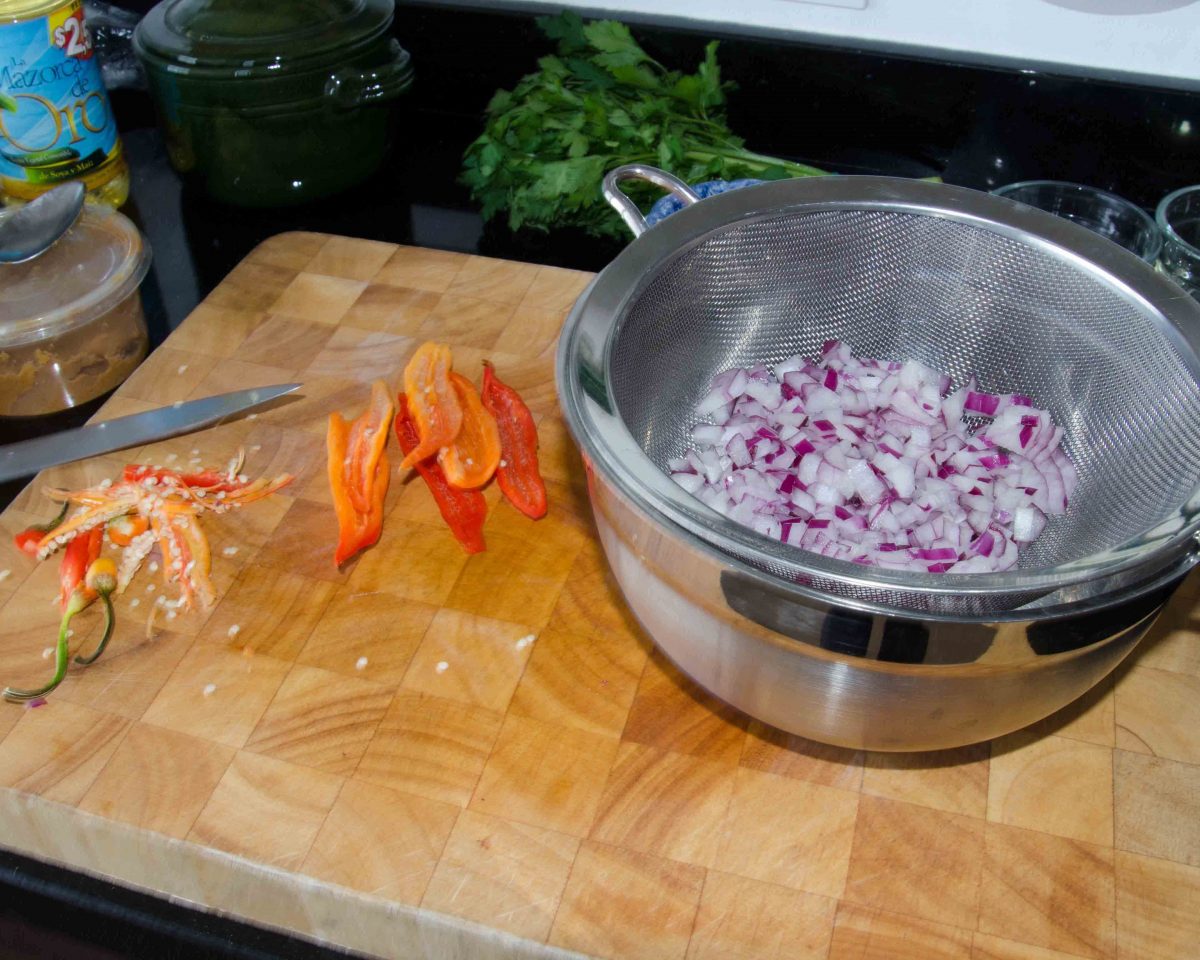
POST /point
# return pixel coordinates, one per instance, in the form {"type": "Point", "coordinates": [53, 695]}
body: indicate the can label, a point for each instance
{"type": "Point", "coordinates": [55, 119]}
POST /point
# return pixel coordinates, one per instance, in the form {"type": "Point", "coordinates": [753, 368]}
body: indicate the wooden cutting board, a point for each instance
{"type": "Point", "coordinates": [430, 755]}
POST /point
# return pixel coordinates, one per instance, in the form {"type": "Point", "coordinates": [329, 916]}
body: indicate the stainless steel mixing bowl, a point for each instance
{"type": "Point", "coordinates": [857, 676]}
{"type": "Point", "coordinates": [966, 283]}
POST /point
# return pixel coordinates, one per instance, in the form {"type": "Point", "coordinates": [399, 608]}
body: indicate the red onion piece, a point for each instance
{"type": "Point", "coordinates": [873, 462]}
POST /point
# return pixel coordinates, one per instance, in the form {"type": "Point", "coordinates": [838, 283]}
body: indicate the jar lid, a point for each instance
{"type": "Point", "coordinates": [257, 37]}
{"type": "Point", "coordinates": [97, 264]}
{"type": "Point", "coordinates": [13, 10]}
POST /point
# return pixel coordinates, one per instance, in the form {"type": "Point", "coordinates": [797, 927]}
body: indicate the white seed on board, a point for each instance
{"type": "Point", "coordinates": [360, 663]}
{"type": "Point", "coordinates": [210, 689]}
{"type": "Point", "coordinates": [442, 666]}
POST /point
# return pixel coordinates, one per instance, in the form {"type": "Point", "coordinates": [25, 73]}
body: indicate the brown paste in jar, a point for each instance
{"type": "Point", "coordinates": [71, 321]}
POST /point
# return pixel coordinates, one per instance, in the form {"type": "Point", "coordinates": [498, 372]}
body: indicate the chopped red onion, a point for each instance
{"type": "Point", "coordinates": [874, 462]}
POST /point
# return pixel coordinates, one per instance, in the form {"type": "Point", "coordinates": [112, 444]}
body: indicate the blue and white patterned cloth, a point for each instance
{"type": "Point", "coordinates": [669, 204]}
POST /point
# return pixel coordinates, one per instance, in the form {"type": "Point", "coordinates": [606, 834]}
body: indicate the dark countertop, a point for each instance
{"type": "Point", "coordinates": [846, 110]}
{"type": "Point", "coordinates": [843, 109]}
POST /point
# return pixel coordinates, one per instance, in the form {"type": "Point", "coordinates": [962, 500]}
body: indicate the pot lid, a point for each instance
{"type": "Point", "coordinates": [258, 35]}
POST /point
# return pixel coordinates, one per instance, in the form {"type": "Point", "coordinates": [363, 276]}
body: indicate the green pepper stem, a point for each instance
{"type": "Point", "coordinates": [109, 621]}
{"type": "Point", "coordinates": [57, 521]}
{"type": "Point", "coordinates": [61, 654]}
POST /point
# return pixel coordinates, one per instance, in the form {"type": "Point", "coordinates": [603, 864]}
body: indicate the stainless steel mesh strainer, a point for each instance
{"type": "Point", "coordinates": [962, 281]}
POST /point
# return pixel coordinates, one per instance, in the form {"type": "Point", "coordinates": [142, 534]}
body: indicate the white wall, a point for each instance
{"type": "Point", "coordinates": [1147, 41]}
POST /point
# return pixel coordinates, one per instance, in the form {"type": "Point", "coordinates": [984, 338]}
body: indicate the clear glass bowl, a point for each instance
{"type": "Point", "coordinates": [1104, 213]}
{"type": "Point", "coordinates": [1178, 217]}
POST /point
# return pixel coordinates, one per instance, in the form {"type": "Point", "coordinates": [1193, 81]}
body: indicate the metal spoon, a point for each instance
{"type": "Point", "coordinates": [31, 230]}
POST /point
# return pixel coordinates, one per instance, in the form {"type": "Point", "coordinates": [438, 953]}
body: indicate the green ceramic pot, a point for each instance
{"type": "Point", "coordinates": [269, 103]}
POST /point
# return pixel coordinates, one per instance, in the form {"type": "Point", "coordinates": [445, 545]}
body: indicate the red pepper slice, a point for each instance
{"type": "Point", "coordinates": [77, 557]}
{"type": "Point", "coordinates": [27, 540]}
{"type": "Point", "coordinates": [432, 400]}
{"type": "Point", "coordinates": [463, 510]}
{"type": "Point", "coordinates": [359, 473]}
{"type": "Point", "coordinates": [518, 475]}
{"type": "Point", "coordinates": [208, 480]}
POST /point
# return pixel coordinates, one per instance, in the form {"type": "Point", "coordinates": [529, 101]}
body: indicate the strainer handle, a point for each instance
{"type": "Point", "coordinates": [639, 171]}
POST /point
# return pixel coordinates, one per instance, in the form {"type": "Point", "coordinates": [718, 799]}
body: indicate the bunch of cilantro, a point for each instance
{"type": "Point", "coordinates": [600, 102]}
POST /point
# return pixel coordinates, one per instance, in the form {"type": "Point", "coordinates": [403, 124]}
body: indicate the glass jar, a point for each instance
{"type": "Point", "coordinates": [71, 321]}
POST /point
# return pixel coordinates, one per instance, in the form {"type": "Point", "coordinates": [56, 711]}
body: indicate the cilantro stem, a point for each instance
{"type": "Point", "coordinates": [757, 160]}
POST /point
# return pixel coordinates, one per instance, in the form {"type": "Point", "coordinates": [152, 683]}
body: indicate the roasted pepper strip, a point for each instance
{"type": "Point", "coordinates": [432, 401]}
{"type": "Point", "coordinates": [463, 510]}
{"type": "Point", "coordinates": [358, 473]}
{"type": "Point", "coordinates": [471, 459]}
{"type": "Point", "coordinates": [517, 474]}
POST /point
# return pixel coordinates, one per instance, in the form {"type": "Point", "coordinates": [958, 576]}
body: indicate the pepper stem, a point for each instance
{"type": "Point", "coordinates": [57, 521]}
{"type": "Point", "coordinates": [109, 621]}
{"type": "Point", "coordinates": [61, 654]}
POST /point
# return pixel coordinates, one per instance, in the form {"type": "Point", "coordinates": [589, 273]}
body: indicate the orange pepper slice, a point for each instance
{"type": "Point", "coordinates": [432, 401]}
{"type": "Point", "coordinates": [359, 474]}
{"type": "Point", "coordinates": [124, 530]}
{"type": "Point", "coordinates": [472, 458]}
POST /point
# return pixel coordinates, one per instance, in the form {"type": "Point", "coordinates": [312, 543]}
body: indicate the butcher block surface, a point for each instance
{"type": "Point", "coordinates": [427, 754]}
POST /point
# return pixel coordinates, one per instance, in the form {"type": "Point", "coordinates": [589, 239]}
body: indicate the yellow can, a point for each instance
{"type": "Point", "coordinates": [56, 122]}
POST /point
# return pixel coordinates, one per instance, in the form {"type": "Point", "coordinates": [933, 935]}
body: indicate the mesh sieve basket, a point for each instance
{"type": "Point", "coordinates": [962, 281]}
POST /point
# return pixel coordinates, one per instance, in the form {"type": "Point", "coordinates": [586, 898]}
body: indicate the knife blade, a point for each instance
{"type": "Point", "coordinates": [29, 456]}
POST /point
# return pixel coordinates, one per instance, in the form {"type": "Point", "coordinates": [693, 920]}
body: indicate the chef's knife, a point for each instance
{"type": "Point", "coordinates": [29, 456]}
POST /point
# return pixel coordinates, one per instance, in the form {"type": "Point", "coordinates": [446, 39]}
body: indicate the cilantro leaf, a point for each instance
{"type": "Point", "coordinates": [597, 102]}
